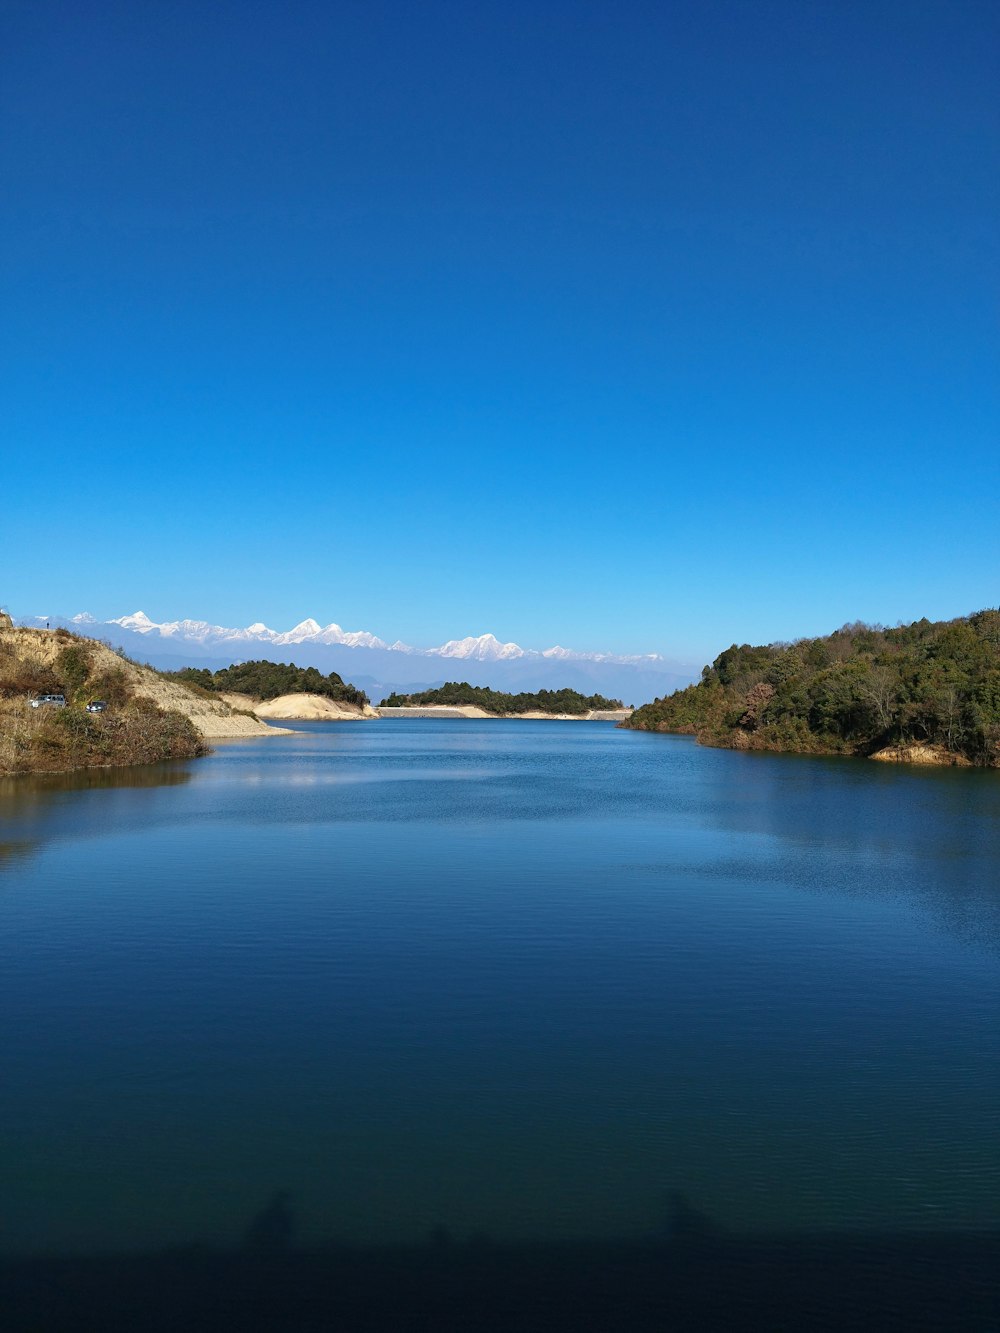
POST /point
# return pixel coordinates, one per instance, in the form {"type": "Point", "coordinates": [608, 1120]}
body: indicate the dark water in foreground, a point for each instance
{"type": "Point", "coordinates": [516, 978]}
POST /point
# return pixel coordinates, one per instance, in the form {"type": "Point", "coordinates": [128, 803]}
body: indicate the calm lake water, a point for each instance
{"type": "Point", "coordinates": [518, 978]}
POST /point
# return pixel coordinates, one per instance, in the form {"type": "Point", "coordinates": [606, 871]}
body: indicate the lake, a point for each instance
{"type": "Point", "coordinates": [526, 980]}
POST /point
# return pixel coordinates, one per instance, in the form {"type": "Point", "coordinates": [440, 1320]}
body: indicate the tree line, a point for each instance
{"type": "Point", "coordinates": [460, 694]}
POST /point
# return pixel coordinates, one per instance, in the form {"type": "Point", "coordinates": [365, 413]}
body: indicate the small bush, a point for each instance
{"type": "Point", "coordinates": [112, 686]}
{"type": "Point", "coordinates": [73, 666]}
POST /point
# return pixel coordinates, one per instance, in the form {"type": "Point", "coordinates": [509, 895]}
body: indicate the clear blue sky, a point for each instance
{"type": "Point", "coordinates": [637, 326]}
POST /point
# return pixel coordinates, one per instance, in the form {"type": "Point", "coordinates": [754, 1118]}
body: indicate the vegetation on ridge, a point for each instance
{"type": "Point", "coordinates": [133, 730]}
{"type": "Point", "coordinates": [269, 680]}
{"type": "Point", "coordinates": [460, 694]}
{"type": "Point", "coordinates": [856, 691]}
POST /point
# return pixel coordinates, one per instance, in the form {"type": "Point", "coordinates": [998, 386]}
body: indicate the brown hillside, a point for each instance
{"type": "Point", "coordinates": [148, 718]}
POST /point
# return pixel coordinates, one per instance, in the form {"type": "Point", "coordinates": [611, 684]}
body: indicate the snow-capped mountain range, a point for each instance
{"type": "Point", "coordinates": [484, 648]}
{"type": "Point", "coordinates": [377, 666]}
{"type": "Point", "coordinates": [200, 631]}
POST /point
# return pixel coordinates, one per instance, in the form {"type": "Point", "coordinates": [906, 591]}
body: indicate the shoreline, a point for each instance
{"type": "Point", "coordinates": [469, 712]}
{"type": "Point", "coordinates": [914, 754]}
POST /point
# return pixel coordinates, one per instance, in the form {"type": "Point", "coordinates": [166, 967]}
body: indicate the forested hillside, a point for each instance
{"type": "Point", "coordinates": [460, 694]}
{"type": "Point", "coordinates": [269, 680]}
{"type": "Point", "coordinates": [860, 690]}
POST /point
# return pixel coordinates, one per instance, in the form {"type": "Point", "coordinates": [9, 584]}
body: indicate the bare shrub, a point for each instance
{"type": "Point", "coordinates": [22, 676]}
{"type": "Point", "coordinates": [54, 740]}
{"type": "Point", "coordinates": [112, 686]}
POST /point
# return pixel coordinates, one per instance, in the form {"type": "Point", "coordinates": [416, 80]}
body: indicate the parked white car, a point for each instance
{"type": "Point", "coordinates": [49, 701]}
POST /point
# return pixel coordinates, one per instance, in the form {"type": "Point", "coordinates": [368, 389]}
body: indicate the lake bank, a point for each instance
{"type": "Point", "coordinates": [470, 712]}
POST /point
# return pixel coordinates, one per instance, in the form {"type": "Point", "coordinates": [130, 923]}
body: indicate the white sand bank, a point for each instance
{"type": "Point", "coordinates": [312, 708]}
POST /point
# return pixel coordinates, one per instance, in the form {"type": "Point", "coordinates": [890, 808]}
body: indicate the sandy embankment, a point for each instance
{"type": "Point", "coordinates": [214, 718]}
{"type": "Point", "coordinates": [921, 754]}
{"type": "Point", "coordinates": [303, 708]}
{"type": "Point", "coordinates": [470, 711]}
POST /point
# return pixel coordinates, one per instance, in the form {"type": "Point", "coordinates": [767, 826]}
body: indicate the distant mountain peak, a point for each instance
{"type": "Point", "coordinates": [138, 621]}
{"type": "Point", "coordinates": [485, 648]}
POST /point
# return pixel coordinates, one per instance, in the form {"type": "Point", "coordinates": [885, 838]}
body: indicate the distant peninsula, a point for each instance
{"type": "Point", "coordinates": [922, 693]}
{"type": "Point", "coordinates": [480, 700]}
{"type": "Point", "coordinates": [280, 690]}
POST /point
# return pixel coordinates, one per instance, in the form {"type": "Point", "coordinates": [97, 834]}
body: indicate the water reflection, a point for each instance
{"type": "Point", "coordinates": [17, 789]}
{"type": "Point", "coordinates": [38, 807]}
{"type": "Point", "coordinates": [14, 851]}
{"type": "Point", "coordinates": [864, 830]}
{"type": "Point", "coordinates": [272, 1228]}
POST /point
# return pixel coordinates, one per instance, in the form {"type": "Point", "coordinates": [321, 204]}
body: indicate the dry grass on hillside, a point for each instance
{"type": "Point", "coordinates": [134, 730]}
{"type": "Point", "coordinates": [31, 660]}
{"type": "Point", "coordinates": [49, 740]}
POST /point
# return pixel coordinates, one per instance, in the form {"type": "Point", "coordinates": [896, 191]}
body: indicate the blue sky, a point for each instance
{"type": "Point", "coordinates": [642, 327]}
